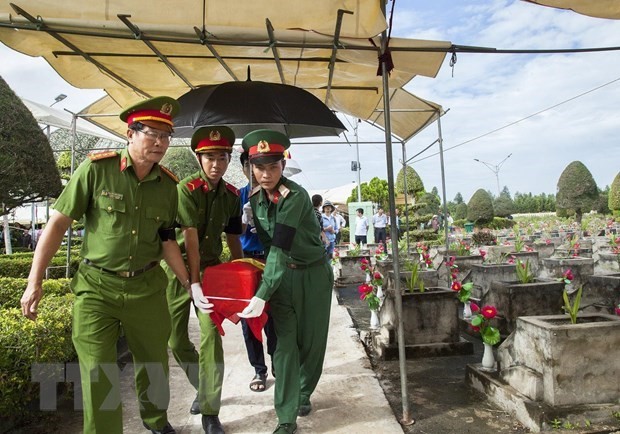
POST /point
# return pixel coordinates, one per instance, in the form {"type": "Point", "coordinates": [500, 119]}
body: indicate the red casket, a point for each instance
{"type": "Point", "coordinates": [230, 287]}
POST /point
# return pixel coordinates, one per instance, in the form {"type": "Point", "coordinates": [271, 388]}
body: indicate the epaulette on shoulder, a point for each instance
{"type": "Point", "coordinates": [194, 184]}
{"type": "Point", "coordinates": [284, 190]}
{"type": "Point", "coordinates": [169, 173]}
{"type": "Point", "coordinates": [96, 156]}
{"type": "Point", "coordinates": [255, 190]}
{"type": "Point", "coordinates": [232, 188]}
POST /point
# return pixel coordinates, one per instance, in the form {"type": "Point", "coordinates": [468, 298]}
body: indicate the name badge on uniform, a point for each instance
{"type": "Point", "coordinates": [112, 195]}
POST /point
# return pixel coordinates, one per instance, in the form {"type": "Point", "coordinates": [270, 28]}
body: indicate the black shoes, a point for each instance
{"type": "Point", "coordinates": [286, 428]}
{"type": "Point", "coordinates": [212, 425]}
{"type": "Point", "coordinates": [195, 408]}
{"type": "Point", "coordinates": [304, 409]}
{"type": "Point", "coordinates": [165, 430]}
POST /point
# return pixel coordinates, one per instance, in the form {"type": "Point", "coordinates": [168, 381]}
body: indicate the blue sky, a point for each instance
{"type": "Point", "coordinates": [484, 92]}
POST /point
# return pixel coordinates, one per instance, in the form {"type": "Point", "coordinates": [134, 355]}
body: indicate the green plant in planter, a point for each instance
{"type": "Point", "coordinates": [415, 282]}
{"type": "Point", "coordinates": [519, 244]}
{"type": "Point", "coordinates": [524, 272]}
{"type": "Point", "coordinates": [461, 248]}
{"type": "Point", "coordinates": [484, 238]}
{"type": "Point", "coordinates": [572, 309]}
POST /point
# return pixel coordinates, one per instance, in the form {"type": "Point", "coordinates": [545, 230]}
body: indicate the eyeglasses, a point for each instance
{"type": "Point", "coordinates": [153, 136]}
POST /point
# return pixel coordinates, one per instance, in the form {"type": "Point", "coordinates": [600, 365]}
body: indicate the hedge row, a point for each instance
{"type": "Point", "coordinates": [19, 267]}
{"type": "Point", "coordinates": [11, 289]}
{"type": "Point", "coordinates": [24, 343]}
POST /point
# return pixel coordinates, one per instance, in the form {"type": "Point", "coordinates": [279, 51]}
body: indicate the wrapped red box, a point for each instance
{"type": "Point", "coordinates": [230, 287]}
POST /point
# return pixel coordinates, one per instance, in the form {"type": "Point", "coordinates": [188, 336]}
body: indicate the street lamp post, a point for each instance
{"type": "Point", "coordinates": [58, 99]}
{"type": "Point", "coordinates": [495, 169]}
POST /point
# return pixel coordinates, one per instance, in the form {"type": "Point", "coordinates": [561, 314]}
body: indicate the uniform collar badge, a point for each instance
{"type": "Point", "coordinates": [215, 136]}
{"type": "Point", "coordinates": [166, 109]}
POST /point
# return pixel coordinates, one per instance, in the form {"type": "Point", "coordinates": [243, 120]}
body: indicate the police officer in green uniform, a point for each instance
{"type": "Point", "coordinates": [297, 280]}
{"type": "Point", "coordinates": [208, 206]}
{"type": "Point", "coordinates": [129, 205]}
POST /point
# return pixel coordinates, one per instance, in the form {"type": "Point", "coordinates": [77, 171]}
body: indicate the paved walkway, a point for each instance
{"type": "Point", "coordinates": [348, 398]}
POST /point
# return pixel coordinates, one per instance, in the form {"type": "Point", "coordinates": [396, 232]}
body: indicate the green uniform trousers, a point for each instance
{"type": "Point", "coordinates": [105, 303]}
{"type": "Point", "coordinates": [204, 370]}
{"type": "Point", "coordinates": [300, 308]}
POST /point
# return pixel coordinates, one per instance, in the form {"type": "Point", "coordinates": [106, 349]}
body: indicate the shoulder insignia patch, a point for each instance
{"type": "Point", "coordinates": [169, 173]}
{"type": "Point", "coordinates": [284, 190]}
{"type": "Point", "coordinates": [255, 190]}
{"type": "Point", "coordinates": [96, 156]}
{"type": "Point", "coordinates": [194, 184]}
{"type": "Point", "coordinates": [232, 188]}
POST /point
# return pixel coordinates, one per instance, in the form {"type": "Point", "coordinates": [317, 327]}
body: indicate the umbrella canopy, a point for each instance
{"type": "Point", "coordinates": [246, 106]}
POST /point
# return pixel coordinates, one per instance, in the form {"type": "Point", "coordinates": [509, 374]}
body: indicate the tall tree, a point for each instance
{"type": "Point", "coordinates": [375, 191]}
{"type": "Point", "coordinates": [27, 167]}
{"type": "Point", "coordinates": [614, 196]}
{"type": "Point", "coordinates": [577, 189]}
{"type": "Point", "coordinates": [458, 198]}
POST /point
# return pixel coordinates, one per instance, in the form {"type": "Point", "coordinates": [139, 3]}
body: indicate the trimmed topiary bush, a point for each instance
{"type": "Point", "coordinates": [577, 189]}
{"type": "Point", "coordinates": [614, 196]}
{"type": "Point", "coordinates": [461, 211]}
{"type": "Point", "coordinates": [480, 208]}
{"type": "Point", "coordinates": [19, 267]}
{"type": "Point", "coordinates": [11, 289]}
{"type": "Point", "coordinates": [24, 343]}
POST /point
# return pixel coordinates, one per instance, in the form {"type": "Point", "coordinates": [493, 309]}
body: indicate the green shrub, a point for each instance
{"type": "Point", "coordinates": [480, 207]}
{"type": "Point", "coordinates": [11, 289]}
{"type": "Point", "coordinates": [501, 223]}
{"type": "Point", "coordinates": [614, 195]}
{"type": "Point", "coordinates": [25, 342]}
{"type": "Point", "coordinates": [460, 213]}
{"type": "Point", "coordinates": [576, 189]}
{"type": "Point", "coordinates": [20, 267]}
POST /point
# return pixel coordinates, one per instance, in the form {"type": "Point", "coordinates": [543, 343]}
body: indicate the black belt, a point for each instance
{"type": "Point", "coordinates": [254, 252]}
{"type": "Point", "coordinates": [124, 273]}
{"type": "Point", "coordinates": [304, 266]}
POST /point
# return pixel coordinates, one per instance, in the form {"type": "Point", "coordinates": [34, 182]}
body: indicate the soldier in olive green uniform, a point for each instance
{"type": "Point", "coordinates": [208, 206]}
{"type": "Point", "coordinates": [297, 280]}
{"type": "Point", "coordinates": [129, 204]}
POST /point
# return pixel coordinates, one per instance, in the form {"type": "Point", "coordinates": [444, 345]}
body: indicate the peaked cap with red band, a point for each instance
{"type": "Point", "coordinates": [213, 139]}
{"type": "Point", "coordinates": [152, 112]}
{"type": "Point", "coordinates": [265, 146]}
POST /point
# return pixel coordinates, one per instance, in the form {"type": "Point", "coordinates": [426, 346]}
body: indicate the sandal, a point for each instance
{"type": "Point", "coordinates": [258, 383]}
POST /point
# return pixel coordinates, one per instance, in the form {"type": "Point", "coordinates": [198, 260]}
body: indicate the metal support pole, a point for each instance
{"type": "Point", "coordinates": [73, 140]}
{"type": "Point", "coordinates": [358, 167]}
{"type": "Point", "coordinates": [443, 189]}
{"type": "Point", "coordinates": [402, 359]}
{"type": "Point", "coordinates": [404, 151]}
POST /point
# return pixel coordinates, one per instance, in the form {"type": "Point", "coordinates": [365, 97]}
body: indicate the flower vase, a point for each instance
{"type": "Point", "coordinates": [488, 358]}
{"type": "Point", "coordinates": [380, 292]}
{"type": "Point", "coordinates": [374, 319]}
{"type": "Point", "coordinates": [368, 278]}
{"type": "Point", "coordinates": [467, 310]}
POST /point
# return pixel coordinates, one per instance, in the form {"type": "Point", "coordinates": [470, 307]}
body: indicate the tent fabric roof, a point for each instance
{"type": "Point", "coordinates": [61, 119]}
{"type": "Point", "coordinates": [597, 8]}
{"type": "Point", "coordinates": [161, 50]}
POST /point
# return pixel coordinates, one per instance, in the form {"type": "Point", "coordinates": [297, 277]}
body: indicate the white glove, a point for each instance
{"type": "Point", "coordinates": [200, 301]}
{"type": "Point", "coordinates": [254, 309]}
{"type": "Point", "coordinates": [247, 218]}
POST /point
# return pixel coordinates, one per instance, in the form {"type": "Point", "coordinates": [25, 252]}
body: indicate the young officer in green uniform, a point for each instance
{"type": "Point", "coordinates": [297, 280]}
{"type": "Point", "coordinates": [129, 205]}
{"type": "Point", "coordinates": [208, 206]}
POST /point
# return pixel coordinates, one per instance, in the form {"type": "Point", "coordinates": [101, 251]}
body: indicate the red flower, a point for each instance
{"type": "Point", "coordinates": [489, 312]}
{"type": "Point", "coordinates": [456, 286]}
{"type": "Point", "coordinates": [475, 328]}
{"type": "Point", "coordinates": [450, 261]}
{"type": "Point", "coordinates": [364, 261]}
{"type": "Point", "coordinates": [568, 275]}
{"type": "Point", "coordinates": [364, 289]}
{"type": "Point", "coordinates": [474, 306]}
{"type": "Point", "coordinates": [483, 253]}
{"type": "Point", "coordinates": [377, 275]}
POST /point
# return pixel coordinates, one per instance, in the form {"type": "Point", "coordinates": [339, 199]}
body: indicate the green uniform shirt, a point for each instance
{"type": "Point", "coordinates": [122, 215]}
{"type": "Point", "coordinates": [288, 229]}
{"type": "Point", "coordinates": [210, 209]}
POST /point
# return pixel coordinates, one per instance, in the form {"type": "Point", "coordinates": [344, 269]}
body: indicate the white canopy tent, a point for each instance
{"type": "Point", "coordinates": [62, 119]}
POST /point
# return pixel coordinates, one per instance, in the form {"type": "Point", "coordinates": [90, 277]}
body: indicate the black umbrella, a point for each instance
{"type": "Point", "coordinates": [246, 106]}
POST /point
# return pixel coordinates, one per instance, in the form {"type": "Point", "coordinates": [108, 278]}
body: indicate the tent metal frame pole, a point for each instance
{"type": "Point", "coordinates": [443, 188]}
{"type": "Point", "coordinates": [404, 152]}
{"type": "Point", "coordinates": [332, 60]}
{"type": "Point", "coordinates": [202, 36]}
{"type": "Point", "coordinates": [273, 44]}
{"type": "Point", "coordinates": [70, 232]}
{"type": "Point", "coordinates": [402, 360]}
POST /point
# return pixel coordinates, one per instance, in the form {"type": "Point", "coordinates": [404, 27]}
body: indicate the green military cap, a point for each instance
{"type": "Point", "coordinates": [215, 138]}
{"type": "Point", "coordinates": [265, 146]}
{"type": "Point", "coordinates": [152, 112]}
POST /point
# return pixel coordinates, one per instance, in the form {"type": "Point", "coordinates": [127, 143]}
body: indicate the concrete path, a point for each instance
{"type": "Point", "coordinates": [348, 398]}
